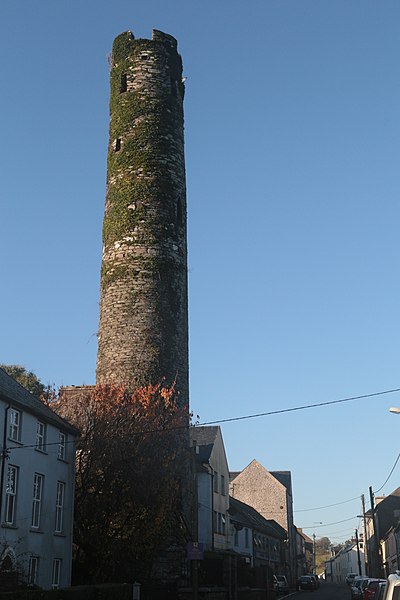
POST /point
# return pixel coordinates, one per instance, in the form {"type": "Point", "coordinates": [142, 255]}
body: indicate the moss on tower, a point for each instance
{"type": "Point", "coordinates": [143, 332]}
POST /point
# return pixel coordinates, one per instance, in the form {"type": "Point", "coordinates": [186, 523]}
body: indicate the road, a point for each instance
{"type": "Point", "coordinates": [326, 591]}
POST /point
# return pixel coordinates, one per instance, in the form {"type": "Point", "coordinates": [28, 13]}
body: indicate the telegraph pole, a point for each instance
{"type": "Point", "coordinates": [365, 535]}
{"type": "Point", "coordinates": [376, 537]}
{"type": "Point", "coordinates": [358, 554]}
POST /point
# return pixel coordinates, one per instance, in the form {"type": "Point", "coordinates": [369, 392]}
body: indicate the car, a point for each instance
{"type": "Point", "coordinates": [371, 588]}
{"type": "Point", "coordinates": [315, 579]}
{"type": "Point", "coordinates": [282, 586]}
{"type": "Point", "coordinates": [306, 582]}
{"type": "Point", "coordinates": [355, 589]}
{"type": "Point", "coordinates": [393, 586]}
{"type": "Point", "coordinates": [380, 591]}
{"type": "Point", "coordinates": [350, 578]}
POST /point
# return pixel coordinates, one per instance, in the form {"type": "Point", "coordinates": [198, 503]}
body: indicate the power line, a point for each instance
{"type": "Point", "coordinates": [328, 524]}
{"type": "Point", "coordinates": [286, 410]}
{"type": "Point", "coordinates": [390, 474]}
{"type": "Point", "coordinates": [327, 505]}
{"type": "Point", "coordinates": [241, 418]}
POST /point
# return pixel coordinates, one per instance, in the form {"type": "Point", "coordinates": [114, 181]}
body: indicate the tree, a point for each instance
{"type": "Point", "coordinates": [26, 378]}
{"type": "Point", "coordinates": [129, 464]}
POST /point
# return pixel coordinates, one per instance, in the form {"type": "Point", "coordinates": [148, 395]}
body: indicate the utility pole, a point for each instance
{"type": "Point", "coordinates": [314, 554]}
{"type": "Point", "coordinates": [377, 544]}
{"type": "Point", "coordinates": [358, 554]}
{"type": "Point", "coordinates": [366, 563]}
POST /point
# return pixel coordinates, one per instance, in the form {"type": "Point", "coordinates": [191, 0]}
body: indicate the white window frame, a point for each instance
{"type": "Point", "coordinates": [56, 572]}
{"type": "Point", "coordinates": [41, 436]}
{"type": "Point", "coordinates": [38, 482]}
{"type": "Point", "coordinates": [11, 494]}
{"type": "Point", "coordinates": [62, 443]}
{"type": "Point", "coordinates": [14, 431]}
{"type": "Point", "coordinates": [33, 570]}
{"type": "Point", "coordinates": [60, 496]}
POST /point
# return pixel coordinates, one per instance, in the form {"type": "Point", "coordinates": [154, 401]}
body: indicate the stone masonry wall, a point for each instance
{"type": "Point", "coordinates": [143, 331]}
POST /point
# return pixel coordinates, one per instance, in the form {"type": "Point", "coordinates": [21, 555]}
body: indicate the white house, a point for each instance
{"type": "Point", "coordinates": [36, 490]}
{"type": "Point", "coordinates": [347, 560]}
{"type": "Point", "coordinates": [212, 474]}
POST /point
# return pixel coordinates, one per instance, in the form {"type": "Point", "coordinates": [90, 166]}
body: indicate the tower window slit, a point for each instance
{"type": "Point", "coordinates": [124, 83]}
{"type": "Point", "coordinates": [117, 146]}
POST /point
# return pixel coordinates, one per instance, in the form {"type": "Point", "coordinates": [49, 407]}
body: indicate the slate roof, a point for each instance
{"type": "Point", "coordinates": [205, 438]}
{"type": "Point", "coordinates": [248, 516]}
{"type": "Point", "coordinates": [13, 392]}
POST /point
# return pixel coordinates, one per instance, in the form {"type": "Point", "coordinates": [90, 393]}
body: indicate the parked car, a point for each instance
{"type": "Point", "coordinates": [350, 578]}
{"type": "Point", "coordinates": [315, 579]}
{"type": "Point", "coordinates": [381, 591]}
{"type": "Point", "coordinates": [355, 590]}
{"type": "Point", "coordinates": [282, 586]}
{"type": "Point", "coordinates": [306, 583]}
{"type": "Point", "coordinates": [393, 587]}
{"type": "Point", "coordinates": [371, 588]}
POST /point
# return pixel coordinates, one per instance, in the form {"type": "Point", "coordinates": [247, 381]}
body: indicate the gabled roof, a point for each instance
{"type": "Point", "coordinates": [307, 539]}
{"type": "Point", "coordinates": [204, 439]}
{"type": "Point", "coordinates": [247, 516]}
{"type": "Point", "coordinates": [284, 477]}
{"type": "Point", "coordinates": [14, 393]}
{"type": "Point", "coordinates": [203, 435]}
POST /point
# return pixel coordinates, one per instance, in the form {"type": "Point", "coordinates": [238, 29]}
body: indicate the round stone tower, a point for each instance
{"type": "Point", "coordinates": [143, 331]}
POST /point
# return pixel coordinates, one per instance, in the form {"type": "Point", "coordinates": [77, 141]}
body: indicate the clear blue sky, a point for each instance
{"type": "Point", "coordinates": [292, 149]}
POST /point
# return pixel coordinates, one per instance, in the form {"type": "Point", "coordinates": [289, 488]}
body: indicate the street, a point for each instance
{"type": "Point", "coordinates": [326, 591]}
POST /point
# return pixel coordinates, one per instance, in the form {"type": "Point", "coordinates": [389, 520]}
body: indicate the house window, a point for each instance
{"type": "Point", "coordinates": [15, 425]}
{"type": "Point", "coordinates": [236, 538]}
{"type": "Point", "coordinates": [59, 506]}
{"type": "Point", "coordinates": [55, 579]}
{"type": "Point", "coordinates": [215, 481]}
{"type": "Point", "coordinates": [223, 492]}
{"type": "Point", "coordinates": [33, 570]}
{"type": "Point", "coordinates": [223, 524]}
{"type": "Point", "coordinates": [37, 499]}
{"type": "Point", "coordinates": [62, 440]}
{"type": "Point", "coordinates": [41, 436]}
{"type": "Point", "coordinates": [11, 494]}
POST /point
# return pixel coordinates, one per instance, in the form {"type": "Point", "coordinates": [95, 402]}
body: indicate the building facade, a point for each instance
{"type": "Point", "coordinates": [270, 493]}
{"type": "Point", "coordinates": [37, 490]}
{"type": "Point", "coordinates": [212, 484]}
{"type": "Point", "coordinates": [143, 329]}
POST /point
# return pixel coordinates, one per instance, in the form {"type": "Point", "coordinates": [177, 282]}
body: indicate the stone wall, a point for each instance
{"type": "Point", "coordinates": [143, 331]}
